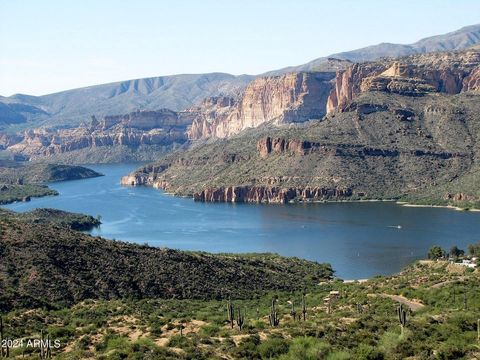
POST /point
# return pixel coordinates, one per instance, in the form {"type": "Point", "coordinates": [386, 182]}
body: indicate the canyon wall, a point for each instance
{"type": "Point", "coordinates": [289, 98]}
{"type": "Point", "coordinates": [246, 194]}
{"type": "Point", "coordinates": [270, 194]}
{"type": "Point", "coordinates": [449, 73]}
{"type": "Point", "coordinates": [160, 128]}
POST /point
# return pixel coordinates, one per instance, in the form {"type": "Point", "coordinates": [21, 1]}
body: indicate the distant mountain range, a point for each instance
{"type": "Point", "coordinates": [71, 107]}
{"type": "Point", "coordinates": [456, 40]}
{"type": "Point", "coordinates": [177, 92]}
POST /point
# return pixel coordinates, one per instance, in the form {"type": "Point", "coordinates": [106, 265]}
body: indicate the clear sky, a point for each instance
{"type": "Point", "coordinates": [53, 45]}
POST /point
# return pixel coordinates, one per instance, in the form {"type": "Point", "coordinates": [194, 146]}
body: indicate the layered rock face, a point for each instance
{"type": "Point", "coordinates": [270, 145]}
{"type": "Point", "coordinates": [282, 146]}
{"type": "Point", "coordinates": [270, 194]}
{"type": "Point", "coordinates": [290, 98]}
{"type": "Point", "coordinates": [417, 75]}
{"type": "Point", "coordinates": [245, 194]}
{"type": "Point", "coordinates": [162, 128]}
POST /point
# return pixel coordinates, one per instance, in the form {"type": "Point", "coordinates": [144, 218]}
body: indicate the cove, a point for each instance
{"type": "Point", "coordinates": [360, 240]}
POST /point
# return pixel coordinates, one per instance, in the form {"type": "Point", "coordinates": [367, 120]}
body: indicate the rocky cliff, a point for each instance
{"type": "Point", "coordinates": [270, 194]}
{"type": "Point", "coordinates": [383, 145]}
{"type": "Point", "coordinates": [163, 128]}
{"type": "Point", "coordinates": [289, 98]}
{"type": "Point", "coordinates": [449, 73]}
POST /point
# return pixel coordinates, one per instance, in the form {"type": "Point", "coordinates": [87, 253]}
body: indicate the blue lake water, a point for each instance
{"type": "Point", "coordinates": [359, 239]}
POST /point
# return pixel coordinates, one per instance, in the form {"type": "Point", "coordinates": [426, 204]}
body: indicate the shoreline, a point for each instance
{"type": "Point", "coordinates": [401, 203]}
{"type": "Point", "coordinates": [451, 207]}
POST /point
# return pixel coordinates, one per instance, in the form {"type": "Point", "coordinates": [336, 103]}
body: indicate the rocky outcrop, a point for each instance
{"type": "Point", "coordinates": [160, 128]}
{"type": "Point", "coordinates": [290, 98]}
{"type": "Point", "coordinates": [146, 177]}
{"type": "Point", "coordinates": [461, 197]}
{"type": "Point", "coordinates": [7, 140]}
{"type": "Point", "coordinates": [449, 73]}
{"type": "Point", "coordinates": [270, 194]}
{"type": "Point", "coordinates": [472, 81]}
{"type": "Point", "coordinates": [268, 145]}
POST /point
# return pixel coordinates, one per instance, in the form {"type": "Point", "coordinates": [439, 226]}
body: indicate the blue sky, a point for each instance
{"type": "Point", "coordinates": [49, 46]}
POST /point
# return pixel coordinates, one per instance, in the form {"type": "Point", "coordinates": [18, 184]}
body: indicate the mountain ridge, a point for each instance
{"type": "Point", "coordinates": [177, 92]}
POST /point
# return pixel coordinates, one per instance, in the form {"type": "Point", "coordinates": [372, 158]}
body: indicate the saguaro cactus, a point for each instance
{"type": "Point", "coordinates": [231, 312]}
{"type": "Point", "coordinates": [402, 317]}
{"type": "Point", "coordinates": [240, 318]}
{"type": "Point", "coordinates": [45, 349]}
{"type": "Point", "coordinates": [293, 313]}
{"type": "Point", "coordinates": [304, 307]}
{"type": "Point", "coordinates": [49, 348]}
{"type": "Point", "coordinates": [273, 317]}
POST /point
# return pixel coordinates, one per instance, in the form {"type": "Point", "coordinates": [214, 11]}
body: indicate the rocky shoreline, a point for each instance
{"type": "Point", "coordinates": [274, 194]}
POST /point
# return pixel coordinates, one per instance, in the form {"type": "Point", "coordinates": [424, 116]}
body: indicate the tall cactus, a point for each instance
{"type": "Point", "coordinates": [45, 349]}
{"type": "Point", "coordinates": [273, 317]}
{"type": "Point", "coordinates": [293, 313]}
{"type": "Point", "coordinates": [49, 349]}
{"type": "Point", "coordinates": [231, 312]}
{"type": "Point", "coordinates": [402, 317]}
{"type": "Point", "coordinates": [304, 307]}
{"type": "Point", "coordinates": [42, 350]}
{"type": "Point", "coordinates": [240, 318]}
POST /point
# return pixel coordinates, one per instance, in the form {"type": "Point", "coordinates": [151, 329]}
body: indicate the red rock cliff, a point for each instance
{"type": "Point", "coordinates": [270, 194]}
{"type": "Point", "coordinates": [294, 97]}
{"type": "Point", "coordinates": [416, 75]}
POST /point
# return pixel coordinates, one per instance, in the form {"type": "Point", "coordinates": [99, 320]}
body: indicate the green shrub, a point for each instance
{"type": "Point", "coordinates": [306, 348]}
{"type": "Point", "coordinates": [210, 330]}
{"type": "Point", "coordinates": [367, 352]}
{"type": "Point", "coordinates": [339, 355]}
{"type": "Point", "coordinates": [181, 342]}
{"type": "Point", "coordinates": [273, 347]}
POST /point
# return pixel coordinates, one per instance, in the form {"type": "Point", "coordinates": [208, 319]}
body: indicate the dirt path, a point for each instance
{"type": "Point", "coordinates": [443, 283]}
{"type": "Point", "coordinates": [413, 305]}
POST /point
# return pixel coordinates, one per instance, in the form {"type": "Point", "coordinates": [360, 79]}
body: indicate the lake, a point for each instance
{"type": "Point", "coordinates": [360, 240]}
